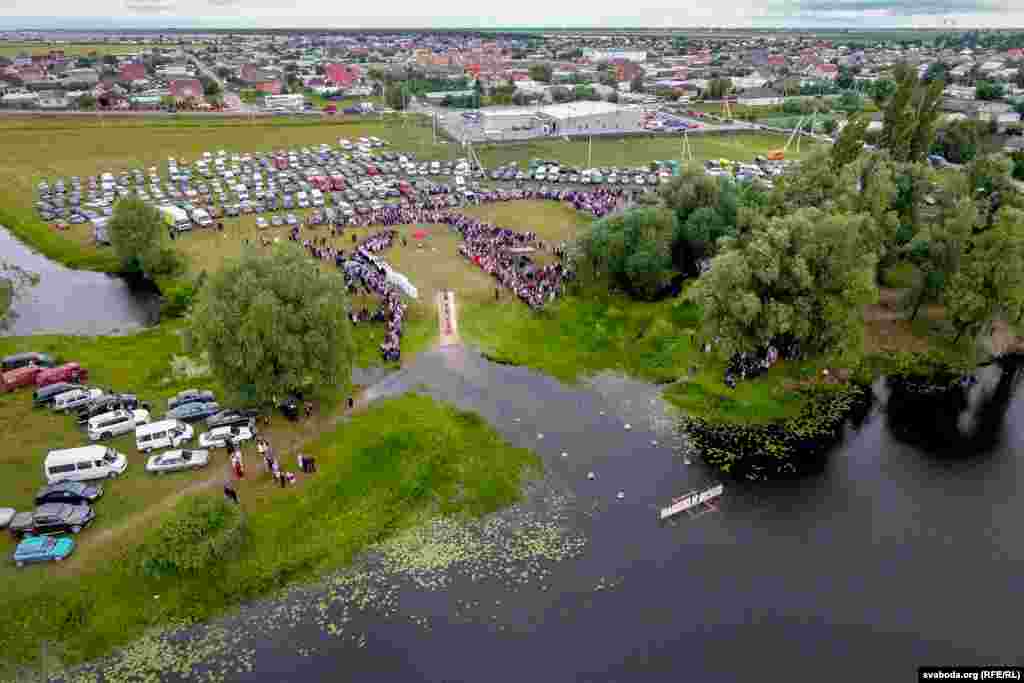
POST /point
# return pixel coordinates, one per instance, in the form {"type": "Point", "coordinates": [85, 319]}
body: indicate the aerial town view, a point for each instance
{"type": "Point", "coordinates": [554, 344]}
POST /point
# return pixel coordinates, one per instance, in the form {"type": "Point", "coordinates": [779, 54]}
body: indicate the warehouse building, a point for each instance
{"type": "Point", "coordinates": [561, 119]}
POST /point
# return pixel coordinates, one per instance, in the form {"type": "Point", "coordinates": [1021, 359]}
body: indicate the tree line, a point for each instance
{"type": "Point", "coordinates": [803, 259]}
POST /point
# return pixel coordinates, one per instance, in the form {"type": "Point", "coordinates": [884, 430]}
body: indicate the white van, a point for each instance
{"type": "Point", "coordinates": [116, 422]}
{"type": "Point", "coordinates": [83, 463]}
{"type": "Point", "coordinates": [74, 398]}
{"type": "Point", "coordinates": [162, 434]}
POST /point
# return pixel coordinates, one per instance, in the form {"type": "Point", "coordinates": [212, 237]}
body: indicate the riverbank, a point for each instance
{"type": "Point", "coordinates": [378, 474]}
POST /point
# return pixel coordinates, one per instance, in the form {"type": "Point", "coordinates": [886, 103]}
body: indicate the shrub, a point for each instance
{"type": "Point", "coordinates": [202, 531]}
{"type": "Point", "coordinates": [178, 299]}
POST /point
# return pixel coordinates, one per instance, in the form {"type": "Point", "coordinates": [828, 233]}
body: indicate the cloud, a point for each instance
{"type": "Point", "coordinates": [825, 9]}
{"type": "Point", "coordinates": [150, 6]}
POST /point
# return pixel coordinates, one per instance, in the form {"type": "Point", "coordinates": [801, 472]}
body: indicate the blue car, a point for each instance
{"type": "Point", "coordinates": [193, 411]}
{"type": "Point", "coordinates": [43, 549]}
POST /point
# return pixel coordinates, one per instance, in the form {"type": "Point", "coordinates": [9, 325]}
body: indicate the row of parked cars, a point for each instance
{"type": "Point", "coordinates": [64, 505]}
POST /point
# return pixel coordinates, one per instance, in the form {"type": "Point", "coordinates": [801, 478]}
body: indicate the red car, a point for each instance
{"type": "Point", "coordinates": [20, 377]}
{"type": "Point", "coordinates": [69, 372]}
{"type": "Point", "coordinates": [337, 182]}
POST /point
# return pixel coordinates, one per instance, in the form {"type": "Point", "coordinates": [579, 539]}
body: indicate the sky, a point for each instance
{"type": "Point", "coordinates": [199, 14]}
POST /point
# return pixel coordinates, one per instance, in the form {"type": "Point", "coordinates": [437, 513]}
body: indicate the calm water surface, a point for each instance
{"type": "Point", "coordinates": [890, 559]}
{"type": "Point", "coordinates": [68, 301]}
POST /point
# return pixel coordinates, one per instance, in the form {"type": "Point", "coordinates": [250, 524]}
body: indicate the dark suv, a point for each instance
{"type": "Point", "coordinates": [108, 403]}
{"type": "Point", "coordinates": [233, 418]}
{"type": "Point", "coordinates": [73, 492]}
{"type": "Point", "coordinates": [52, 518]}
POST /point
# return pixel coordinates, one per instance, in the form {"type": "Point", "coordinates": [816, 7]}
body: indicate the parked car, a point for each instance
{"type": "Point", "coordinates": [115, 423]}
{"type": "Point", "coordinates": [218, 437]}
{"type": "Point", "coordinates": [18, 378]}
{"type": "Point", "coordinates": [35, 549]}
{"type": "Point", "coordinates": [188, 396]}
{"type": "Point", "coordinates": [73, 492]}
{"type": "Point", "coordinates": [233, 418]}
{"type": "Point", "coordinates": [194, 410]}
{"type": "Point", "coordinates": [108, 403]}
{"type": "Point", "coordinates": [6, 515]}
{"type": "Point", "coordinates": [20, 360]}
{"type": "Point", "coordinates": [69, 372]}
{"type": "Point", "coordinates": [75, 398]}
{"type": "Point", "coordinates": [45, 395]}
{"type": "Point", "coordinates": [52, 518]}
{"type": "Point", "coordinates": [177, 460]}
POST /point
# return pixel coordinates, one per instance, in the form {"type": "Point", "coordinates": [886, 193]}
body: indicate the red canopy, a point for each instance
{"type": "Point", "coordinates": [420, 234]}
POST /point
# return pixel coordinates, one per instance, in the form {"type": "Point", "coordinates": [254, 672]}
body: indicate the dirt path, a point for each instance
{"type": "Point", "coordinates": [447, 318]}
{"type": "Point", "coordinates": [105, 537]}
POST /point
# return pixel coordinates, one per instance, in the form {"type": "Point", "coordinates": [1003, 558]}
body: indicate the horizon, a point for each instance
{"type": "Point", "coordinates": [305, 15]}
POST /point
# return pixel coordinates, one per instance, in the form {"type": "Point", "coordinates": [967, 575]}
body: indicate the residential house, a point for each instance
{"type": "Point", "coordinates": [134, 71]}
{"type": "Point", "coordinates": [53, 99]}
{"type": "Point", "coordinates": [31, 74]}
{"type": "Point", "coordinates": [186, 88]}
{"type": "Point", "coordinates": [759, 97]}
{"type": "Point", "coordinates": [268, 87]}
{"type": "Point", "coordinates": [626, 70]}
{"type": "Point", "coordinates": [824, 71]}
{"type": "Point", "coordinates": [20, 100]}
{"type": "Point", "coordinates": [340, 75]}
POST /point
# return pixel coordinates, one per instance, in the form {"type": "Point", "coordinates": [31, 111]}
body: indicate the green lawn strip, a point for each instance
{"type": "Point", "coordinates": [13, 49]}
{"type": "Point", "coordinates": [577, 337]}
{"type": "Point", "coordinates": [637, 150]}
{"type": "Point", "coordinates": [403, 459]}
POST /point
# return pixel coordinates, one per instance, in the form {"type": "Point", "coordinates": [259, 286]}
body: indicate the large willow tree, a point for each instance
{"type": "Point", "coordinates": [273, 323]}
{"type": "Point", "coordinates": [807, 274]}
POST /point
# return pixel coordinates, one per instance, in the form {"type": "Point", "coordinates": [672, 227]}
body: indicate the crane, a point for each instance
{"type": "Point", "coordinates": [780, 154]}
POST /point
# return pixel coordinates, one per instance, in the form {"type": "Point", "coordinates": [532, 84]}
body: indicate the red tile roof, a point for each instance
{"type": "Point", "coordinates": [186, 87]}
{"type": "Point", "coordinates": [133, 71]}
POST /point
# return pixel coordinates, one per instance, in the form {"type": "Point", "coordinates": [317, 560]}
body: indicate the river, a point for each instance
{"type": "Point", "coordinates": [890, 559]}
{"type": "Point", "coordinates": [67, 301]}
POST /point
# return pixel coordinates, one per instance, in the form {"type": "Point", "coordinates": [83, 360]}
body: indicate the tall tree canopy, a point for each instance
{"type": "Point", "coordinates": [139, 238]}
{"type": "Point", "coordinates": [14, 283]}
{"type": "Point", "coordinates": [706, 209]}
{"type": "Point", "coordinates": [629, 251]}
{"type": "Point", "coordinates": [850, 143]}
{"type": "Point", "coordinates": [805, 274]}
{"type": "Point", "coordinates": [274, 323]}
{"type": "Point", "coordinates": [910, 116]}
{"type": "Point", "coordinates": [990, 282]}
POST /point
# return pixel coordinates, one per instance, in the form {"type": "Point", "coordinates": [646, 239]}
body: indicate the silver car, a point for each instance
{"type": "Point", "coordinates": [177, 460]}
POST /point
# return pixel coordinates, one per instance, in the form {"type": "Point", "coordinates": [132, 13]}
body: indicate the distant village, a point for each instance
{"type": "Point", "coordinates": [236, 72]}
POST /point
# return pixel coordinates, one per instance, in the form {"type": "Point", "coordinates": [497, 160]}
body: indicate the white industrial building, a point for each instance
{"type": "Point", "coordinates": [556, 119]}
{"type": "Point", "coordinates": [598, 55]}
{"type": "Point", "coordinates": [293, 102]}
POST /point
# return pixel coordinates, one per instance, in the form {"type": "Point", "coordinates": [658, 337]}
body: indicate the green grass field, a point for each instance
{"type": "Point", "coordinates": [636, 150]}
{"type": "Point", "coordinates": [61, 147]}
{"type": "Point", "coordinates": [13, 49]}
{"type": "Point", "coordinates": [387, 469]}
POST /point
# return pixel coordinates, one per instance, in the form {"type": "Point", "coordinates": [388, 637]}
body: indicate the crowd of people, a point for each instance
{"type": "Point", "coordinates": [748, 365]}
{"type": "Point", "coordinates": [364, 271]}
{"type": "Point", "coordinates": [500, 252]}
